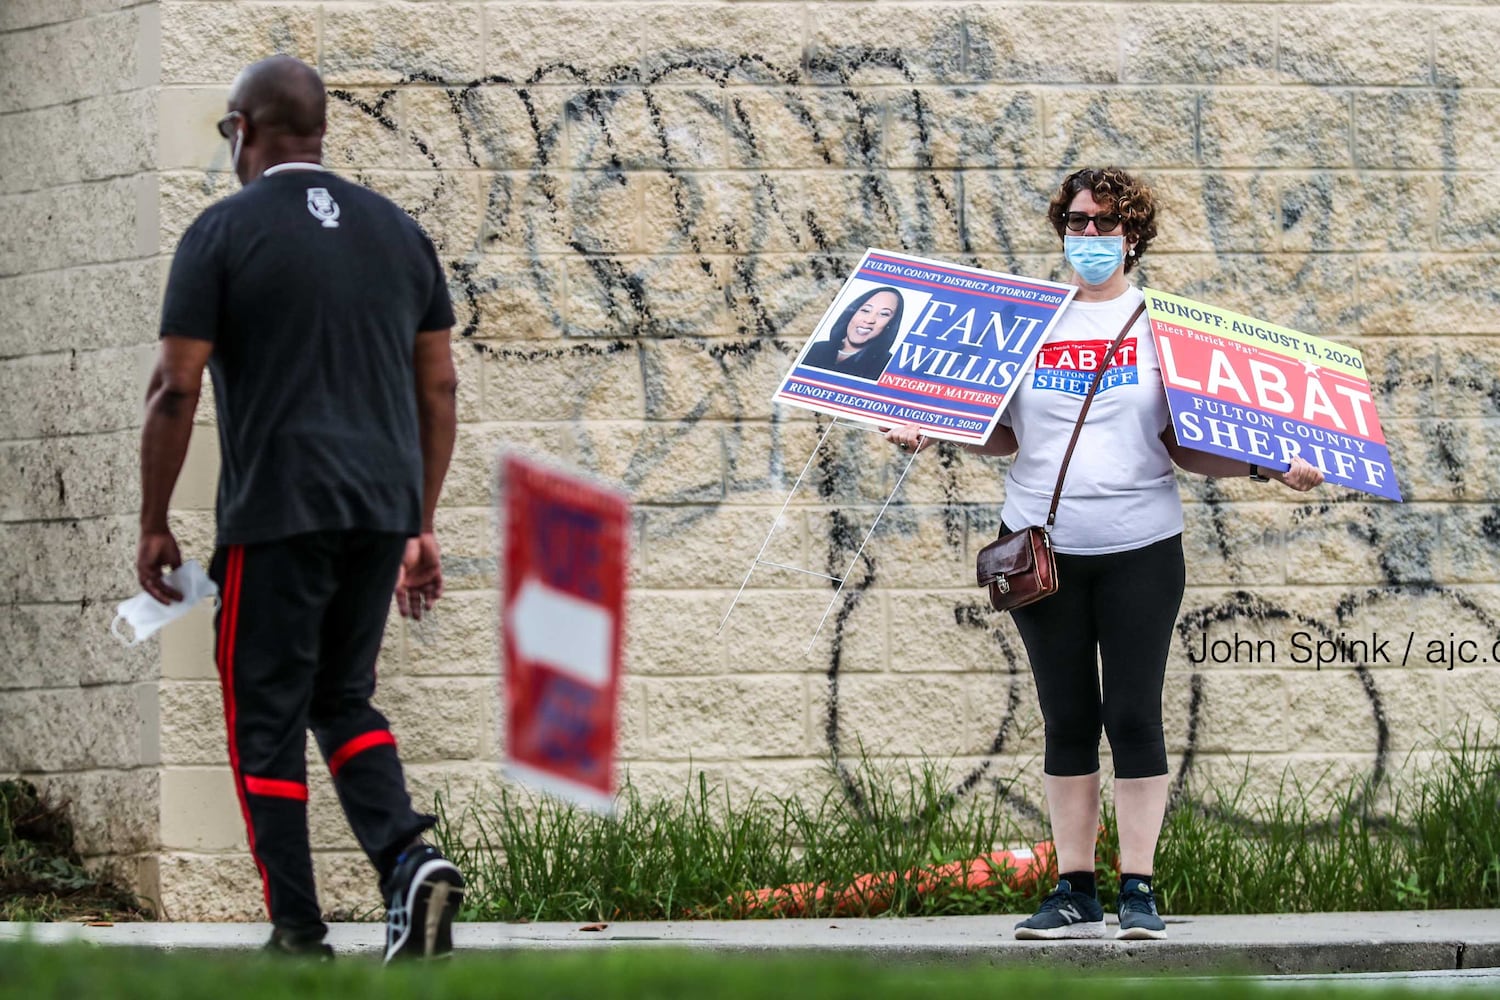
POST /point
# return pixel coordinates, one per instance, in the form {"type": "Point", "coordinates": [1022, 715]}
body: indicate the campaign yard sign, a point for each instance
{"type": "Point", "coordinates": [562, 602]}
{"type": "Point", "coordinates": [1245, 388]}
{"type": "Point", "coordinates": [913, 340]}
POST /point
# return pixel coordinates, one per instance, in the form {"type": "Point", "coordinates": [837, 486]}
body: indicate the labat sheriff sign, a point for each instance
{"type": "Point", "coordinates": [1246, 388]}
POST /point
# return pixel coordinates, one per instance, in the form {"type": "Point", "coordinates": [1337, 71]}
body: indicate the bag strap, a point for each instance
{"type": "Point", "coordinates": [1087, 400]}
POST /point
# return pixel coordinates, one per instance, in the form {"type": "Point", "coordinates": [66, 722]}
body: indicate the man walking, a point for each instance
{"type": "Point", "coordinates": [321, 310]}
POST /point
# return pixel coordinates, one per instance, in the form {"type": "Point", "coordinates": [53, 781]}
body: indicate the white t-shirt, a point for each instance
{"type": "Point", "coordinates": [1120, 493]}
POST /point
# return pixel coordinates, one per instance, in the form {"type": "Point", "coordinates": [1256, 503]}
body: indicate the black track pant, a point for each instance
{"type": "Point", "coordinates": [299, 626]}
{"type": "Point", "coordinates": [1112, 616]}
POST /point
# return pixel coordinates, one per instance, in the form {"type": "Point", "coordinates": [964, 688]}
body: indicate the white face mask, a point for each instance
{"type": "Point", "coordinates": [234, 151]}
{"type": "Point", "coordinates": [146, 615]}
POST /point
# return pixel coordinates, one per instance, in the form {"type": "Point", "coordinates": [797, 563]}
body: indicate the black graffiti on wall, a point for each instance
{"type": "Point", "coordinates": [751, 249]}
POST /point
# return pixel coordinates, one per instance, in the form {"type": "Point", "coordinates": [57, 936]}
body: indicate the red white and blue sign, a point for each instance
{"type": "Point", "coordinates": [565, 559]}
{"type": "Point", "coordinates": [1245, 388]}
{"type": "Point", "coordinates": [925, 342]}
{"type": "Point", "coordinates": [1069, 366]}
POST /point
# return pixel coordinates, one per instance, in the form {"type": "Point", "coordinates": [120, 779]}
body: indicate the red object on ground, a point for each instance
{"type": "Point", "coordinates": [871, 894]}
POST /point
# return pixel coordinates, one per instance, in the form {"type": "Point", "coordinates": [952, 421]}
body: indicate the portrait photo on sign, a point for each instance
{"type": "Point", "coordinates": [862, 335]}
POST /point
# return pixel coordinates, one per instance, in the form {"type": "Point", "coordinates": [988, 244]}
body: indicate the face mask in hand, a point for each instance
{"type": "Point", "coordinates": [146, 615]}
{"type": "Point", "coordinates": [1095, 258]}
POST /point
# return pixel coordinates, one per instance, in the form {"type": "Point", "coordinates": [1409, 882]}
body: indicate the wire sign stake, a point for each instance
{"type": "Point", "coordinates": [760, 559]}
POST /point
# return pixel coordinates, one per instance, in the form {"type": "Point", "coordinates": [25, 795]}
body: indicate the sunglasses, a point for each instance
{"type": "Point", "coordinates": [225, 125]}
{"type": "Point", "coordinates": [1078, 221]}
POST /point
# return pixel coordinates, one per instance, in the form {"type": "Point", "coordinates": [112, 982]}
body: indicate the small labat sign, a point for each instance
{"type": "Point", "coordinates": [1247, 388]}
{"type": "Point", "coordinates": [565, 559]}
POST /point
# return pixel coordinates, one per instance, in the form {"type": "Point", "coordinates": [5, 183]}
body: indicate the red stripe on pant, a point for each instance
{"type": "Point", "coordinates": [229, 619]}
{"type": "Point", "coordinates": [358, 745]}
{"type": "Point", "coordinates": [276, 788]}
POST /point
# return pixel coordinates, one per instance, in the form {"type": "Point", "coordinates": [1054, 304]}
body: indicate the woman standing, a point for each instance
{"type": "Point", "coordinates": [1118, 539]}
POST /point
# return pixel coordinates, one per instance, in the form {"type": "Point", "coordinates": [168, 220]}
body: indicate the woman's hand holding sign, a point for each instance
{"type": "Point", "coordinates": [1302, 476]}
{"type": "Point", "coordinates": [907, 437]}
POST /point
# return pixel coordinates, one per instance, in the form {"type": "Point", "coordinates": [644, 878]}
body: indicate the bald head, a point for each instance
{"type": "Point", "coordinates": [281, 95]}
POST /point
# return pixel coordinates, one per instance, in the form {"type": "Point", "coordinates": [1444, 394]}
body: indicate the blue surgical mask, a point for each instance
{"type": "Point", "coordinates": [1095, 258]}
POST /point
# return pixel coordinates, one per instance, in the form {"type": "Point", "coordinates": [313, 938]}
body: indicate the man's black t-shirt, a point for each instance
{"type": "Point", "coordinates": [313, 290]}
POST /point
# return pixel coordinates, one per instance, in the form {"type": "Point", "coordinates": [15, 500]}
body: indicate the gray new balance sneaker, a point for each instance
{"type": "Point", "coordinates": [1064, 914]}
{"type": "Point", "coordinates": [1138, 918]}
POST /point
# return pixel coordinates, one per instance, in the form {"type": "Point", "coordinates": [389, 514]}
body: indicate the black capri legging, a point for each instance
{"type": "Point", "coordinates": [1112, 615]}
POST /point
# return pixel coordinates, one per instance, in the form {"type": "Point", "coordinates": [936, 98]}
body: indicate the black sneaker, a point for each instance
{"type": "Point", "coordinates": [1138, 919]}
{"type": "Point", "coordinates": [1064, 914]}
{"type": "Point", "coordinates": [421, 898]}
{"type": "Point", "coordinates": [286, 943]}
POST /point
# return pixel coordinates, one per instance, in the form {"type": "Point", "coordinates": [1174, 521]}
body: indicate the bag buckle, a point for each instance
{"type": "Point", "coordinates": [1001, 584]}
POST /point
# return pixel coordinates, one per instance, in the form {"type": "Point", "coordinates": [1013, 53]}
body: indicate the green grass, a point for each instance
{"type": "Point", "coordinates": [37, 972]}
{"type": "Point", "coordinates": [1435, 843]}
{"type": "Point", "coordinates": [533, 858]}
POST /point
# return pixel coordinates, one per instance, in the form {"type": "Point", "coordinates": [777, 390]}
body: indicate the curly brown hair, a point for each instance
{"type": "Point", "coordinates": [1128, 196]}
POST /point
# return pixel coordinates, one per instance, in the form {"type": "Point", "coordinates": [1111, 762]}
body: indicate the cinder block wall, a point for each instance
{"type": "Point", "coordinates": [644, 208]}
{"type": "Point", "coordinates": [80, 271]}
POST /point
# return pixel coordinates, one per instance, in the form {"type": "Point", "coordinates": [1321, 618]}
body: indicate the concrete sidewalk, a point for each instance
{"type": "Point", "coordinates": [1305, 944]}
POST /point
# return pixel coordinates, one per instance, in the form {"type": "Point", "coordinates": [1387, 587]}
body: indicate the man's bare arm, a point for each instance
{"type": "Point", "coordinates": [171, 400]}
{"type": "Point", "coordinates": [437, 414]}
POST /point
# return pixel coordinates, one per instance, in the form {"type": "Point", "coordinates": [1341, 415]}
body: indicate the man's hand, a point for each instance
{"type": "Point", "coordinates": [155, 550]}
{"type": "Point", "coordinates": [420, 582]}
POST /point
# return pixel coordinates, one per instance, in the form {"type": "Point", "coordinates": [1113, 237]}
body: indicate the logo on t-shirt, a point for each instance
{"type": "Point", "coordinates": [323, 208]}
{"type": "Point", "coordinates": [1070, 366]}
